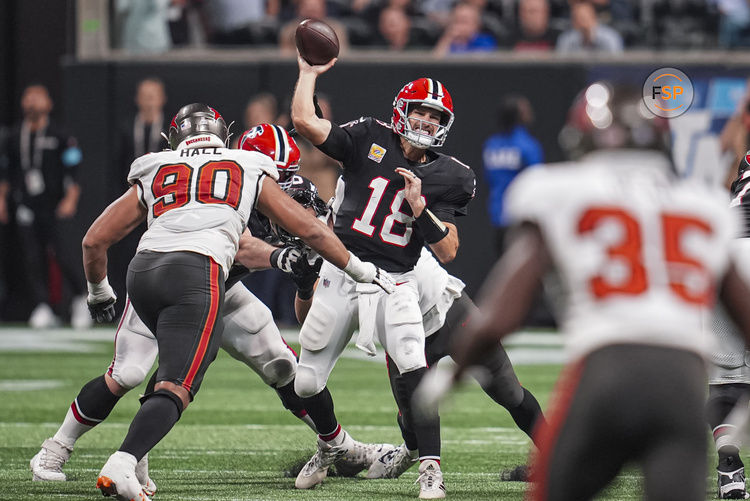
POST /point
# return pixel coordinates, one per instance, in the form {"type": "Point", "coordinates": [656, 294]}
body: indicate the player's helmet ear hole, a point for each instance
{"type": "Point", "coordinates": [197, 121]}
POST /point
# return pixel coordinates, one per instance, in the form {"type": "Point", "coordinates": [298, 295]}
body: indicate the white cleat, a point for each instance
{"type": "Point", "coordinates": [392, 464]}
{"type": "Point", "coordinates": [47, 465]}
{"type": "Point", "coordinates": [430, 480]}
{"type": "Point", "coordinates": [118, 479]}
{"type": "Point", "coordinates": [80, 318]}
{"type": "Point", "coordinates": [360, 457]}
{"type": "Point", "coordinates": [316, 469]}
{"type": "Point", "coordinates": [43, 317]}
{"type": "Point", "coordinates": [141, 473]}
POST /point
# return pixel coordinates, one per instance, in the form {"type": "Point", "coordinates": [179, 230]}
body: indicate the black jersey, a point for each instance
{"type": "Point", "coordinates": [740, 194]}
{"type": "Point", "coordinates": [373, 219]}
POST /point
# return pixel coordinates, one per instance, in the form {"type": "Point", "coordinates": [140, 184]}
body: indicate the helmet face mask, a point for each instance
{"type": "Point", "coordinates": [422, 93]}
{"type": "Point", "coordinates": [276, 143]}
{"type": "Point", "coordinates": [304, 193]}
{"type": "Point", "coordinates": [197, 125]}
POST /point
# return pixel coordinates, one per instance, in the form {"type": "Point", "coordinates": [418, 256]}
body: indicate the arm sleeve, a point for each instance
{"type": "Point", "coordinates": [456, 199]}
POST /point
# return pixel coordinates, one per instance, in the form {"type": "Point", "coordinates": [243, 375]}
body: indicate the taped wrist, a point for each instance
{"type": "Point", "coordinates": [431, 227]}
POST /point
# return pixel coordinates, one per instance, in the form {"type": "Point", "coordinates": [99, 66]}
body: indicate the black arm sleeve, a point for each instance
{"type": "Point", "coordinates": [338, 145]}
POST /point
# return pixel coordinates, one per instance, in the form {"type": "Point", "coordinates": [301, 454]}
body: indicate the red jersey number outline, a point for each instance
{"type": "Point", "coordinates": [174, 192]}
{"type": "Point", "coordinates": [629, 250]}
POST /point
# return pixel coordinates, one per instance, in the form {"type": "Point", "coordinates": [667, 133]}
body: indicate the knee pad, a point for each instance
{"type": "Point", "coordinates": [242, 307]}
{"type": "Point", "coordinates": [306, 383]}
{"type": "Point", "coordinates": [404, 331]}
{"type": "Point", "coordinates": [129, 376]}
{"type": "Point", "coordinates": [280, 371]}
{"type": "Point", "coordinates": [176, 400]}
{"type": "Point", "coordinates": [317, 329]}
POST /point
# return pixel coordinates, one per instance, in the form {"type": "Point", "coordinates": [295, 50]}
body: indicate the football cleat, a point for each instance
{"type": "Point", "coordinates": [731, 484]}
{"type": "Point", "coordinates": [316, 469]}
{"type": "Point", "coordinates": [80, 318]}
{"type": "Point", "coordinates": [430, 480]}
{"type": "Point", "coordinates": [518, 474]}
{"type": "Point", "coordinates": [392, 464]}
{"type": "Point", "coordinates": [141, 473]}
{"type": "Point", "coordinates": [46, 465]}
{"type": "Point", "coordinates": [118, 478]}
{"type": "Point", "coordinates": [360, 457]}
{"type": "Point", "coordinates": [43, 317]}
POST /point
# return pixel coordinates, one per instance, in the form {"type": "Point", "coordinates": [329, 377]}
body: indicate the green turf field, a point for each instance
{"type": "Point", "coordinates": [236, 441]}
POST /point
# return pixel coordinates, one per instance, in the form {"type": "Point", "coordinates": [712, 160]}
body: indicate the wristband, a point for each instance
{"type": "Point", "coordinates": [433, 230]}
{"type": "Point", "coordinates": [100, 288]}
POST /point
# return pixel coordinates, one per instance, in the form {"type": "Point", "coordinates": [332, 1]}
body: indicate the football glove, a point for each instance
{"type": "Point", "coordinates": [283, 258]}
{"type": "Point", "coordinates": [304, 273]}
{"type": "Point", "coordinates": [101, 301]}
{"type": "Point", "coordinates": [367, 273]}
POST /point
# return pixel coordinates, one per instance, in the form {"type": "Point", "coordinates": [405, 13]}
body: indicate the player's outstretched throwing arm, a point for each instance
{"type": "Point", "coordinates": [287, 213]}
{"type": "Point", "coordinates": [306, 122]}
{"type": "Point", "coordinates": [116, 222]}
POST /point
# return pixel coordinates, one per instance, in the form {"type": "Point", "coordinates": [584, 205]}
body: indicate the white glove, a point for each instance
{"type": "Point", "coordinates": [283, 258]}
{"type": "Point", "coordinates": [101, 301]}
{"type": "Point", "coordinates": [368, 273]}
{"type": "Point", "coordinates": [433, 389]}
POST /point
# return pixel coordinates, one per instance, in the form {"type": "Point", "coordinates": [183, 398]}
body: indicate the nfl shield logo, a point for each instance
{"type": "Point", "coordinates": [326, 282]}
{"type": "Point", "coordinates": [376, 153]}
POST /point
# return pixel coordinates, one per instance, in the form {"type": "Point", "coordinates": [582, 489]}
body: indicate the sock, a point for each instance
{"type": "Point", "coordinates": [425, 428]}
{"type": "Point", "coordinates": [293, 403]}
{"type": "Point", "coordinates": [528, 415]}
{"type": "Point", "coordinates": [320, 409]}
{"type": "Point", "coordinates": [410, 439]}
{"type": "Point", "coordinates": [335, 437]}
{"type": "Point", "coordinates": [92, 406]}
{"type": "Point", "coordinates": [157, 415]}
{"type": "Point", "coordinates": [422, 459]}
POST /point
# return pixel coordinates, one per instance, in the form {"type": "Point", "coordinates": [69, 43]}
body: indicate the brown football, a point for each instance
{"type": "Point", "coordinates": [316, 41]}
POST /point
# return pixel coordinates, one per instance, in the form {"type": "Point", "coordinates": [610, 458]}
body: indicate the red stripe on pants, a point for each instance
{"type": "Point", "coordinates": [546, 436]}
{"type": "Point", "coordinates": [119, 326]}
{"type": "Point", "coordinates": [207, 328]}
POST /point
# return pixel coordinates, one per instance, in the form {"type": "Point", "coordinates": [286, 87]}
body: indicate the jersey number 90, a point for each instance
{"type": "Point", "coordinates": [217, 182]}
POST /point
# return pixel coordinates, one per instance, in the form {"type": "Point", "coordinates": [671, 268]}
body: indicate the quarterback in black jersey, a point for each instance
{"type": "Point", "coordinates": [398, 195]}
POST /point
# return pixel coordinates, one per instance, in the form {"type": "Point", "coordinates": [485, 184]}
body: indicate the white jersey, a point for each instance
{"type": "Point", "coordinates": [199, 199]}
{"type": "Point", "coordinates": [639, 255]}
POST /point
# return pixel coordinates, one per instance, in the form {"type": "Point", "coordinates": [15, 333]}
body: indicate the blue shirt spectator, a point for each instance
{"type": "Point", "coordinates": [508, 152]}
{"type": "Point", "coordinates": [463, 33]}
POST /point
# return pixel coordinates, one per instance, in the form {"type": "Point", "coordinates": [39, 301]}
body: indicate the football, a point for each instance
{"type": "Point", "coordinates": [316, 41]}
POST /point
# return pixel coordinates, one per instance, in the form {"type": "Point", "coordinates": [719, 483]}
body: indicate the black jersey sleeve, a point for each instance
{"type": "Point", "coordinates": [343, 142]}
{"type": "Point", "coordinates": [457, 197]}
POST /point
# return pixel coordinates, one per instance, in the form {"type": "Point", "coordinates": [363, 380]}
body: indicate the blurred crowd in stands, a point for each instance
{"type": "Point", "coordinates": [442, 26]}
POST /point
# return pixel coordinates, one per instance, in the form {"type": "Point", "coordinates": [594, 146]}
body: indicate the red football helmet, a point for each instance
{"type": "Point", "coordinates": [422, 92]}
{"type": "Point", "coordinates": [275, 142]}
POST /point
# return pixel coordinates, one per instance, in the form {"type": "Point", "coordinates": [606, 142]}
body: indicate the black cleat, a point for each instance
{"type": "Point", "coordinates": [518, 474]}
{"type": "Point", "coordinates": [731, 484]}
